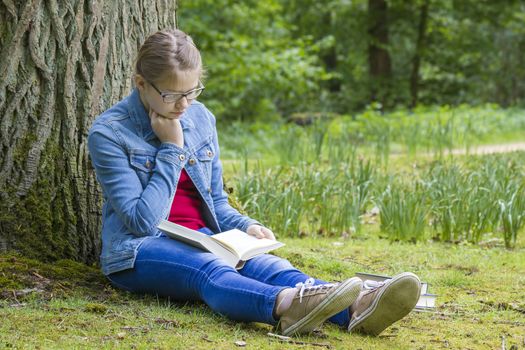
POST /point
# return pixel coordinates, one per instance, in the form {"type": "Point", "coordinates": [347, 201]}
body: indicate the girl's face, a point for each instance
{"type": "Point", "coordinates": [178, 83]}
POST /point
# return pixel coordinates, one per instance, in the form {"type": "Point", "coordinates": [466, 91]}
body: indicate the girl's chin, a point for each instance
{"type": "Point", "coordinates": [171, 115]}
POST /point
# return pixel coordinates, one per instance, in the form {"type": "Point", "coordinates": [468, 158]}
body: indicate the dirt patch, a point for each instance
{"type": "Point", "coordinates": [489, 149]}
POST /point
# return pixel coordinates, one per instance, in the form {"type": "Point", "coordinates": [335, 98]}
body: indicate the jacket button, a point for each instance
{"type": "Point", "coordinates": [182, 157]}
{"type": "Point", "coordinates": [191, 161]}
{"type": "Point", "coordinates": [209, 153]}
{"type": "Point", "coordinates": [148, 164]}
{"type": "Point", "coordinates": [209, 189]}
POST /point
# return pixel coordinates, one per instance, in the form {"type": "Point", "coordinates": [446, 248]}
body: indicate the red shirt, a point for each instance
{"type": "Point", "coordinates": [187, 204]}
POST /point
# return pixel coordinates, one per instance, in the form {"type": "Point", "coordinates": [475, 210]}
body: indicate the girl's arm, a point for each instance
{"type": "Point", "coordinates": [140, 209]}
{"type": "Point", "coordinates": [228, 217]}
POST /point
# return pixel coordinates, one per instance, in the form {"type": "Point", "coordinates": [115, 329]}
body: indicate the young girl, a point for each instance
{"type": "Point", "coordinates": [156, 156]}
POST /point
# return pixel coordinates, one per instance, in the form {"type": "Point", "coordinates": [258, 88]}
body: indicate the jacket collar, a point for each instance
{"type": "Point", "coordinates": [140, 117]}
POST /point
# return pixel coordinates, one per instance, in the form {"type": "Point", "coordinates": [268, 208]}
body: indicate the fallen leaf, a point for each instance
{"type": "Point", "coordinates": [205, 338]}
{"type": "Point", "coordinates": [167, 323]}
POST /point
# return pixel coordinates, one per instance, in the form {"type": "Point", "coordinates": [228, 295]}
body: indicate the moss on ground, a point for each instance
{"type": "Point", "coordinates": [22, 278]}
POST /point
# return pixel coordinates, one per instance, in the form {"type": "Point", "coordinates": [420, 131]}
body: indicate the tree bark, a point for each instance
{"type": "Point", "coordinates": [414, 77]}
{"type": "Point", "coordinates": [330, 57]}
{"type": "Point", "coordinates": [61, 63]}
{"type": "Point", "coordinates": [380, 66]}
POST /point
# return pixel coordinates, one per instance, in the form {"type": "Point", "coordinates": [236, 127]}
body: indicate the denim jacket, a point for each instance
{"type": "Point", "coordinates": [139, 175]}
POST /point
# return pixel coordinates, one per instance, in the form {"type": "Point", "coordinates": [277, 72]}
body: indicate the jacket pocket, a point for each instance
{"type": "Point", "coordinates": [205, 155]}
{"type": "Point", "coordinates": [143, 162]}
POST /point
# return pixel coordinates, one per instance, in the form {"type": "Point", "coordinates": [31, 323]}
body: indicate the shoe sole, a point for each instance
{"type": "Point", "coordinates": [345, 294]}
{"type": "Point", "coordinates": [396, 300]}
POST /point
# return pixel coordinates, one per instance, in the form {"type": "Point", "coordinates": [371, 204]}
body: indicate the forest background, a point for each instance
{"type": "Point", "coordinates": [268, 59]}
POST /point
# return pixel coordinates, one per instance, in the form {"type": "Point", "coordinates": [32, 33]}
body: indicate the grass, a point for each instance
{"type": "Point", "coordinates": [402, 212]}
{"type": "Point", "coordinates": [478, 289]}
{"type": "Point", "coordinates": [313, 183]}
{"type": "Point", "coordinates": [426, 130]}
{"type": "Point", "coordinates": [461, 198]}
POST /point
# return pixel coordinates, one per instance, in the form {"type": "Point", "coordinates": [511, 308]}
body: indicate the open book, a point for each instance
{"type": "Point", "coordinates": [426, 300]}
{"type": "Point", "coordinates": [234, 246]}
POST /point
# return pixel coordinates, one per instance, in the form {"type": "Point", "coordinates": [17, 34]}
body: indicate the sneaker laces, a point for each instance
{"type": "Point", "coordinates": [372, 285]}
{"type": "Point", "coordinates": [308, 285]}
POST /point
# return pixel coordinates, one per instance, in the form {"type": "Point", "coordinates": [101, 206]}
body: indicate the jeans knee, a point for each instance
{"type": "Point", "coordinates": [268, 268]}
{"type": "Point", "coordinates": [215, 269]}
{"type": "Point", "coordinates": [281, 263]}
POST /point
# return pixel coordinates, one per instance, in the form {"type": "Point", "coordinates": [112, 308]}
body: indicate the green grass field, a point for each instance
{"type": "Point", "coordinates": [481, 302]}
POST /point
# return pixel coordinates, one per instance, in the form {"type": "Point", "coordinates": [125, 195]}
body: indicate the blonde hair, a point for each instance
{"type": "Point", "coordinates": [166, 52]}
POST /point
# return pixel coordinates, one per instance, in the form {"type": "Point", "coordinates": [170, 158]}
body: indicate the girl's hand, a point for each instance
{"type": "Point", "coordinates": [260, 232]}
{"type": "Point", "coordinates": [167, 129]}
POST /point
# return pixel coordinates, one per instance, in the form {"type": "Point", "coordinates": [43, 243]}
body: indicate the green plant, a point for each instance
{"type": "Point", "coordinates": [512, 215]}
{"type": "Point", "coordinates": [403, 211]}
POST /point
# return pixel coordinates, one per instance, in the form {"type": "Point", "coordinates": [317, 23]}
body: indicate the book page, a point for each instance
{"type": "Point", "coordinates": [244, 245]}
{"type": "Point", "coordinates": [233, 246]}
{"type": "Point", "coordinates": [199, 240]}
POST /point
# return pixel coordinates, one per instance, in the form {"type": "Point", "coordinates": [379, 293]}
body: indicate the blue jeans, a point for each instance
{"type": "Point", "coordinates": [170, 268]}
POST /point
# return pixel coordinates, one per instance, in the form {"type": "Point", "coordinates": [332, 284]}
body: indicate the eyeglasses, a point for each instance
{"type": "Point", "coordinates": [168, 97]}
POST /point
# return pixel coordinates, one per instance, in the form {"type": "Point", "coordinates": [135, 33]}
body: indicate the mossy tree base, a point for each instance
{"type": "Point", "coordinates": [61, 64]}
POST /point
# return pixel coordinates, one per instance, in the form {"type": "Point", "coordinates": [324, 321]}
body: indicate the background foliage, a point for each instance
{"type": "Point", "coordinates": [268, 59]}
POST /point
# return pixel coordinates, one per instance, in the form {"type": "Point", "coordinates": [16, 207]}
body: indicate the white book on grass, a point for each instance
{"type": "Point", "coordinates": [234, 246]}
{"type": "Point", "coordinates": [426, 300]}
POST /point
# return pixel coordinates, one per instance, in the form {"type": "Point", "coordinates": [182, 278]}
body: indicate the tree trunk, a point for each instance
{"type": "Point", "coordinates": [378, 57]}
{"type": "Point", "coordinates": [61, 63]}
{"type": "Point", "coordinates": [414, 77]}
{"type": "Point", "coordinates": [329, 57]}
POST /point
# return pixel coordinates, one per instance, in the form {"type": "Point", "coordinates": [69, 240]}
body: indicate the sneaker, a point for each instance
{"type": "Point", "coordinates": [383, 303]}
{"type": "Point", "coordinates": [312, 305]}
